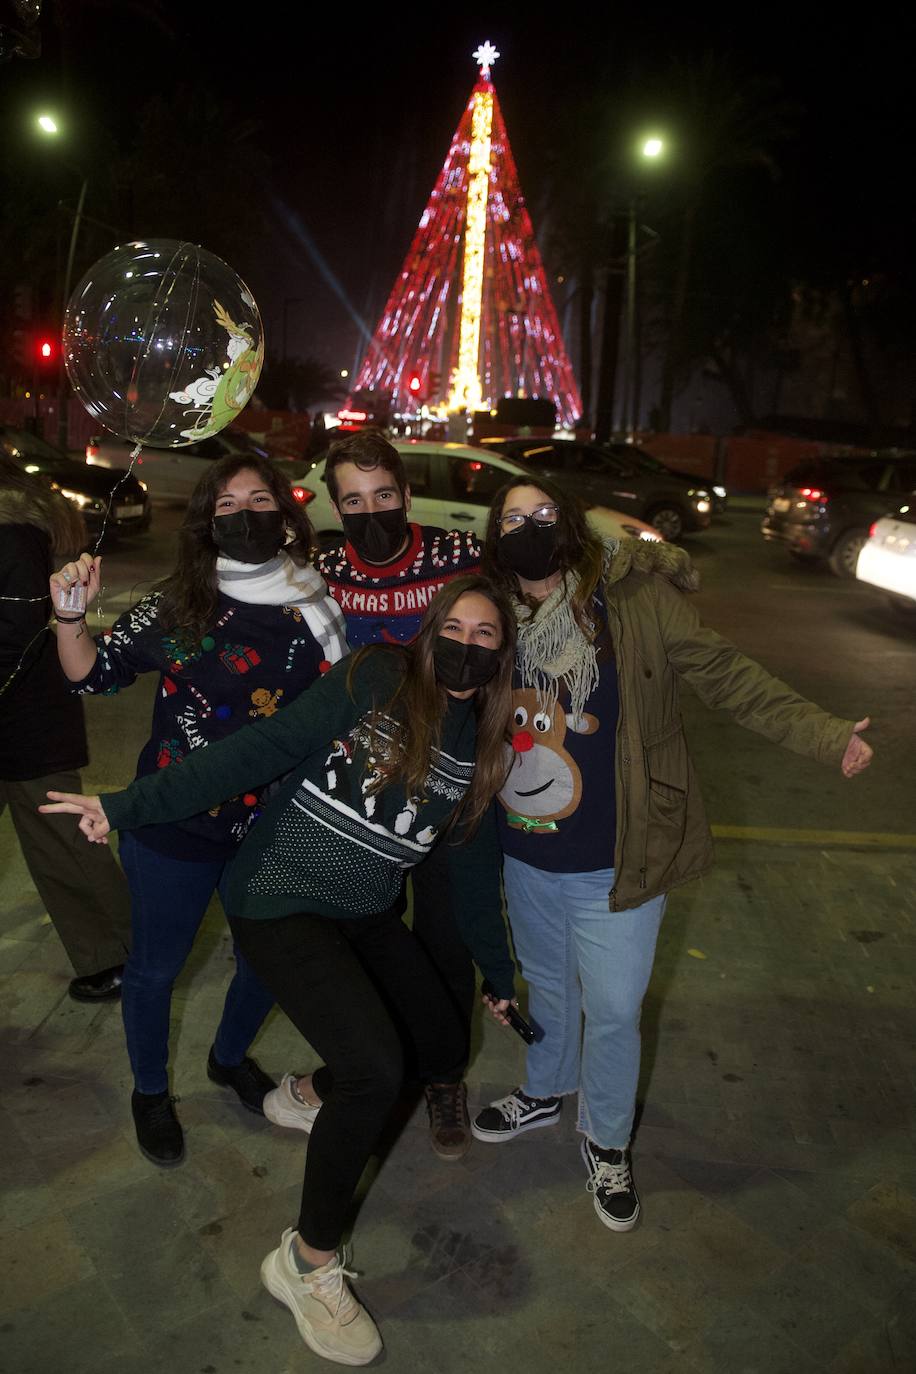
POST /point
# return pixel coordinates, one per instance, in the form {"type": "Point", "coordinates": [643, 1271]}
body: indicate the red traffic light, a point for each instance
{"type": "Point", "coordinates": [46, 350]}
{"type": "Point", "coordinates": [414, 384]}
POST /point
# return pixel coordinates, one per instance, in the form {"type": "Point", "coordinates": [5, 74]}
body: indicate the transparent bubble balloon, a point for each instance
{"type": "Point", "coordinates": [163, 342]}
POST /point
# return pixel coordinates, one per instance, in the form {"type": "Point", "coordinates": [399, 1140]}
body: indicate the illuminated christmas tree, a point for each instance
{"type": "Point", "coordinates": [470, 318]}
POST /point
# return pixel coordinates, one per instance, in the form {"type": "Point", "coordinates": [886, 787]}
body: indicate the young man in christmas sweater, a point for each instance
{"type": "Point", "coordinates": [383, 576]}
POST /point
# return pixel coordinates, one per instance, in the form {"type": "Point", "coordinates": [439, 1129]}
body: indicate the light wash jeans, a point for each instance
{"type": "Point", "coordinates": [580, 958]}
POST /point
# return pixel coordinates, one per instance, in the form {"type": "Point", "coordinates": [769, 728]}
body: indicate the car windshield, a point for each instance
{"type": "Point", "coordinates": [864, 475]}
{"type": "Point", "coordinates": [29, 448]}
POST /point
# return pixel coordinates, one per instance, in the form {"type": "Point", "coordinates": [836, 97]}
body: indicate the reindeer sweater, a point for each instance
{"type": "Point", "coordinates": [254, 661]}
{"type": "Point", "coordinates": [326, 843]}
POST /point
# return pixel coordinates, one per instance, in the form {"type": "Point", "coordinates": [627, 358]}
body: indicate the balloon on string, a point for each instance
{"type": "Point", "coordinates": [163, 342]}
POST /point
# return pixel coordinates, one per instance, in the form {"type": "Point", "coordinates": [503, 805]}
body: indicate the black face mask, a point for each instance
{"type": "Point", "coordinates": [531, 551]}
{"type": "Point", "coordinates": [250, 536]}
{"type": "Point", "coordinates": [377, 536]}
{"type": "Point", "coordinates": [462, 666]}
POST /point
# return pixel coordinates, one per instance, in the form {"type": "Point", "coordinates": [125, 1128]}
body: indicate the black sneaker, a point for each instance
{"type": "Point", "coordinates": [507, 1118]}
{"type": "Point", "coordinates": [159, 1132]}
{"type": "Point", "coordinates": [98, 987]}
{"type": "Point", "coordinates": [611, 1182]}
{"type": "Point", "coordinates": [248, 1079]}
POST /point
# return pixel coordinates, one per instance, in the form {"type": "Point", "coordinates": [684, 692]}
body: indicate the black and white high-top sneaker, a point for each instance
{"type": "Point", "coordinates": [509, 1116]}
{"type": "Point", "coordinates": [611, 1184]}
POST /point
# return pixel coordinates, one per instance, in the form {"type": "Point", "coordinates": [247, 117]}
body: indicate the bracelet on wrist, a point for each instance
{"type": "Point", "coordinates": [69, 619]}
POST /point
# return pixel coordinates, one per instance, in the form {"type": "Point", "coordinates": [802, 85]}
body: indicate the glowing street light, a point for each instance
{"type": "Point", "coordinates": [344, 372]}
{"type": "Point", "coordinates": [653, 147]}
{"type": "Point", "coordinates": [47, 124]}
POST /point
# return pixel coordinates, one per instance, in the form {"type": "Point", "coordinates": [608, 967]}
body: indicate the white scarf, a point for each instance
{"type": "Point", "coordinates": [281, 582]}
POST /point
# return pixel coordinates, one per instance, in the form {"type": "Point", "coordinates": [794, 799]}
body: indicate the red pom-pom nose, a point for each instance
{"type": "Point", "coordinates": [522, 742]}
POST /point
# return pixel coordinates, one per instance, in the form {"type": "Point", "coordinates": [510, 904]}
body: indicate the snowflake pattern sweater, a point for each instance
{"type": "Point", "coordinates": [325, 842]}
{"type": "Point", "coordinates": [254, 662]}
{"type": "Point", "coordinates": [386, 605]}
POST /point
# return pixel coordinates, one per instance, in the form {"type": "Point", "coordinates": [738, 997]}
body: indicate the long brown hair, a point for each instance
{"type": "Point", "coordinates": [46, 508]}
{"type": "Point", "coordinates": [189, 594]}
{"type": "Point", "coordinates": [579, 549]}
{"type": "Point", "coordinates": [420, 702]}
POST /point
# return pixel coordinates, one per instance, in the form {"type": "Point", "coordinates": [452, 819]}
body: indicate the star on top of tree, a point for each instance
{"type": "Point", "coordinates": [485, 56]}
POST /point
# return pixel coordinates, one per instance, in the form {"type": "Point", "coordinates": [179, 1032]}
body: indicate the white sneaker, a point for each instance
{"type": "Point", "coordinates": [330, 1319]}
{"type": "Point", "coordinates": [283, 1109]}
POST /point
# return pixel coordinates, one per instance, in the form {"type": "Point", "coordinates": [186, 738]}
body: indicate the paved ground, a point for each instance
{"type": "Point", "coordinates": [775, 1158]}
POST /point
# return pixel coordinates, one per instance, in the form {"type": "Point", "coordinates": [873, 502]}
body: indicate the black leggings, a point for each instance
{"type": "Point", "coordinates": [330, 978]}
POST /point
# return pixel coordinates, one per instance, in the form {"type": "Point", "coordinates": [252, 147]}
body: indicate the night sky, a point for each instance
{"type": "Point", "coordinates": [355, 118]}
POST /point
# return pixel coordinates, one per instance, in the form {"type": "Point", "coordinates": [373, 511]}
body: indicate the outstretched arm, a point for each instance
{"type": "Point", "coordinates": [724, 677]}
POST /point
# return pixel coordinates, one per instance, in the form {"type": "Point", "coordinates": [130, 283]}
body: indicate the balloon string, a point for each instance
{"type": "Point", "coordinates": [31, 600]}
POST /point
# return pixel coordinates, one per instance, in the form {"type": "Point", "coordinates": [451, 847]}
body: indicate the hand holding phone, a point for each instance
{"type": "Point", "coordinates": [514, 1018]}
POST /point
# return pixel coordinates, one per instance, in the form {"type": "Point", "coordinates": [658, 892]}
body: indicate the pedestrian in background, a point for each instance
{"type": "Point", "coordinates": [43, 739]}
{"type": "Point", "coordinates": [600, 813]}
{"type": "Point", "coordinates": [237, 631]}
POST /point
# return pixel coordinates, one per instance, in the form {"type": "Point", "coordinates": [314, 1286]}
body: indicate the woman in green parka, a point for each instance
{"type": "Point", "coordinates": [600, 813]}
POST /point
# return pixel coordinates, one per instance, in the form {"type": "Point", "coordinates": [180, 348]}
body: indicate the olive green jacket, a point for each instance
{"type": "Point", "coordinates": [663, 837]}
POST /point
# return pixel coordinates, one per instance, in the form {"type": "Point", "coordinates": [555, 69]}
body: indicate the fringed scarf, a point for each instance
{"type": "Point", "coordinates": [552, 649]}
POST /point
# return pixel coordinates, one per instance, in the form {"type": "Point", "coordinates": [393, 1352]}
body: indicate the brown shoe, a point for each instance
{"type": "Point", "coordinates": [449, 1127]}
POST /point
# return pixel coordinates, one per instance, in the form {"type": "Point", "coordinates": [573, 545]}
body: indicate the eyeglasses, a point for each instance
{"type": "Point", "coordinates": [544, 515]}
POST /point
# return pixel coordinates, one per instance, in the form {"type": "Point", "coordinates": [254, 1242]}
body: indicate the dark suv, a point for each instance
{"type": "Point", "coordinates": [614, 475]}
{"type": "Point", "coordinates": [823, 508]}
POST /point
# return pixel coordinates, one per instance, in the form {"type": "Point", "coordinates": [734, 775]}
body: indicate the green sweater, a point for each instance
{"type": "Point", "coordinates": [324, 843]}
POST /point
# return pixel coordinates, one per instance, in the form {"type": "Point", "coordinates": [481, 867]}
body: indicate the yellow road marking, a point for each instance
{"type": "Point", "coordinates": [826, 839]}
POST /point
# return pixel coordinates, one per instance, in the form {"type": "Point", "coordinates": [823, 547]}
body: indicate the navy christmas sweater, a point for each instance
{"type": "Point", "coordinates": [254, 661]}
{"type": "Point", "coordinates": [386, 605]}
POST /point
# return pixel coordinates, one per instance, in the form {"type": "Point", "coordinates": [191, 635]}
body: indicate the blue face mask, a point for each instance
{"type": "Point", "coordinates": [463, 666]}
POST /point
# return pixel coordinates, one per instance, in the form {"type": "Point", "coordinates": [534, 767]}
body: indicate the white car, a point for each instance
{"type": "Point", "coordinates": [451, 486]}
{"type": "Point", "coordinates": [888, 557]}
{"type": "Point", "coordinates": [171, 474]}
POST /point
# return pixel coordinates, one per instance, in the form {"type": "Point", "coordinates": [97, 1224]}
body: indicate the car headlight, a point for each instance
{"type": "Point", "coordinates": [142, 484]}
{"type": "Point", "coordinates": [703, 505]}
{"type": "Point", "coordinates": [637, 533]}
{"type": "Point", "coordinates": [720, 492]}
{"type": "Point", "coordinates": [80, 500]}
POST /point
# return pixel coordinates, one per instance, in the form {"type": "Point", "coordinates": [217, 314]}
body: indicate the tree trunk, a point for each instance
{"type": "Point", "coordinates": [863, 376]}
{"type": "Point", "coordinates": [737, 388]}
{"type": "Point", "coordinates": [677, 316]}
{"type": "Point", "coordinates": [610, 337]}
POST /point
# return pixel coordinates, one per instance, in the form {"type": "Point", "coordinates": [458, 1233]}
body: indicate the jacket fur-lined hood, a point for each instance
{"type": "Point", "coordinates": [650, 556]}
{"type": "Point", "coordinates": [19, 508]}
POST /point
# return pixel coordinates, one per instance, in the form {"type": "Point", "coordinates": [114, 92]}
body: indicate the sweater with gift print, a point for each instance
{"type": "Point", "coordinates": [253, 662]}
{"type": "Point", "coordinates": [385, 605]}
{"type": "Point", "coordinates": [328, 842]}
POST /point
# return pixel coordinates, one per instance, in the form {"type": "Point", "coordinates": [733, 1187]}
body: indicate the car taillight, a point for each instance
{"type": "Point", "coordinates": [814, 494]}
{"type": "Point", "coordinates": [871, 530]}
{"type": "Point", "coordinates": [302, 494]}
{"type": "Point", "coordinates": [92, 453]}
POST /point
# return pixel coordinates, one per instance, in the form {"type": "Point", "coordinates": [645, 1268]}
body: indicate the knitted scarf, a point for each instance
{"type": "Point", "coordinates": [281, 582]}
{"type": "Point", "coordinates": [552, 649]}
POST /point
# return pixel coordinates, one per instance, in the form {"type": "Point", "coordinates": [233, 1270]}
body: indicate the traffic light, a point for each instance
{"type": "Point", "coordinates": [414, 384]}
{"type": "Point", "coordinates": [45, 352]}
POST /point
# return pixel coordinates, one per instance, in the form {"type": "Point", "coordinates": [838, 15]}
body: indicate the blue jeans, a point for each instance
{"type": "Point", "coordinates": [168, 901]}
{"type": "Point", "coordinates": [580, 958]}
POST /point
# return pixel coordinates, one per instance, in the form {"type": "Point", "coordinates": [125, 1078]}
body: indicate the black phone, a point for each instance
{"type": "Point", "coordinates": [514, 1017]}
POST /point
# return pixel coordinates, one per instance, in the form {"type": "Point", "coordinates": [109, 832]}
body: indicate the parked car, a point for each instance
{"type": "Point", "coordinates": [613, 475]}
{"type": "Point", "coordinates": [172, 473]}
{"type": "Point", "coordinates": [90, 489]}
{"type": "Point", "coordinates": [451, 486]}
{"type": "Point", "coordinates": [717, 490]}
{"type": "Point", "coordinates": [824, 508]}
{"type": "Point", "coordinates": [888, 558]}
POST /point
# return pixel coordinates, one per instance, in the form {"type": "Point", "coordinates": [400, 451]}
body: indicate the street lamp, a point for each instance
{"type": "Point", "coordinates": [651, 149]}
{"type": "Point", "coordinates": [50, 127]}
